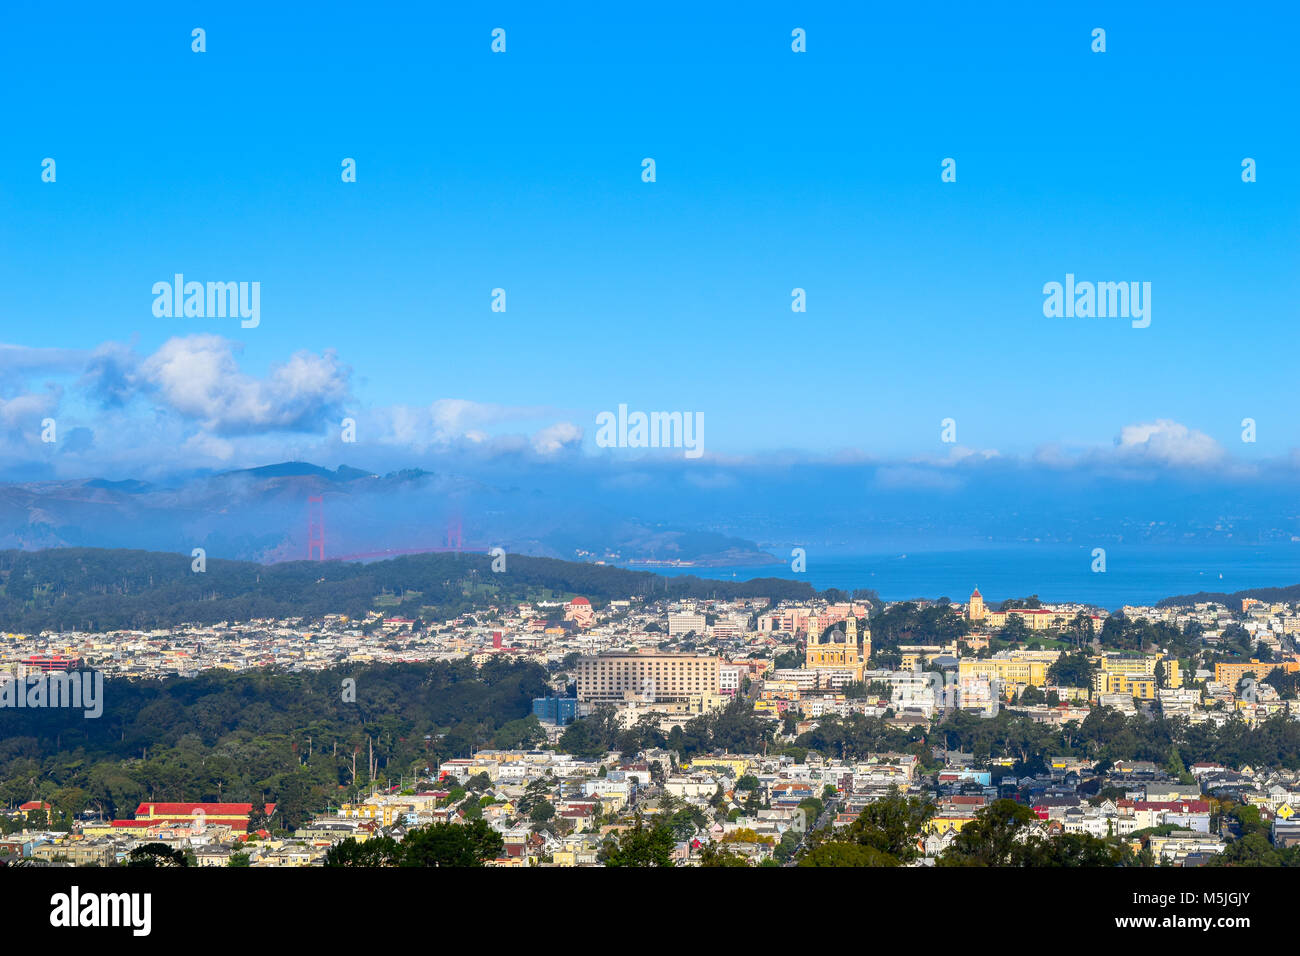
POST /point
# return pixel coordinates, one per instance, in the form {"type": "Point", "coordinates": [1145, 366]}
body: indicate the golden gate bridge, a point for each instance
{"type": "Point", "coordinates": [453, 540]}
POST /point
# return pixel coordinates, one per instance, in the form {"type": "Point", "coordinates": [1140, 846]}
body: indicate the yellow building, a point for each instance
{"type": "Point", "coordinates": [780, 690]}
{"type": "Point", "coordinates": [1017, 670]}
{"type": "Point", "coordinates": [1035, 618]}
{"type": "Point", "coordinates": [385, 814]}
{"type": "Point", "coordinates": [1114, 674]}
{"type": "Point", "coordinates": [948, 823]}
{"type": "Point", "coordinates": [76, 852]}
{"type": "Point", "coordinates": [738, 766]}
{"type": "Point", "coordinates": [975, 607]}
{"type": "Point", "coordinates": [1231, 674]}
{"type": "Point", "coordinates": [840, 650]}
{"type": "Point", "coordinates": [1131, 685]}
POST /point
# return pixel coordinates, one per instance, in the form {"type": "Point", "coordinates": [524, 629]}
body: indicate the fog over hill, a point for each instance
{"type": "Point", "coordinates": [709, 514]}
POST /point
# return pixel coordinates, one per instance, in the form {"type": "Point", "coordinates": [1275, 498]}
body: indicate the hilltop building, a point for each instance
{"type": "Point", "coordinates": [839, 650]}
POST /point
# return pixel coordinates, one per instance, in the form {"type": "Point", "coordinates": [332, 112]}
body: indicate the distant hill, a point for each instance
{"type": "Point", "coordinates": [261, 514]}
{"type": "Point", "coordinates": [1271, 595]}
{"type": "Point", "coordinates": [102, 589]}
{"type": "Point", "coordinates": [301, 469]}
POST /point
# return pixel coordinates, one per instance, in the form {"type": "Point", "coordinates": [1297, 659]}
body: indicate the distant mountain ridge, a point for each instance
{"type": "Point", "coordinates": [295, 469]}
{"type": "Point", "coordinates": [98, 589]}
{"type": "Point", "coordinates": [261, 514]}
{"type": "Point", "coordinates": [1289, 594]}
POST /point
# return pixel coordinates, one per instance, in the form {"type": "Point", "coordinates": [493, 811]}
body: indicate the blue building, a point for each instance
{"type": "Point", "coordinates": [556, 710]}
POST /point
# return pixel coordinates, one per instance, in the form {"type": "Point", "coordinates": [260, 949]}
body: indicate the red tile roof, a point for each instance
{"type": "Point", "coordinates": [209, 809]}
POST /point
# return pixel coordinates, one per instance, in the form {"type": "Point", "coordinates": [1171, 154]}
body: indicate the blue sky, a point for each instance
{"type": "Point", "coordinates": [775, 170]}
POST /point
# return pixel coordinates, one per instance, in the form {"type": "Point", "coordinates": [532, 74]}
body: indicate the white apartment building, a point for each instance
{"type": "Point", "coordinates": [649, 676]}
{"type": "Point", "coordinates": [683, 622]}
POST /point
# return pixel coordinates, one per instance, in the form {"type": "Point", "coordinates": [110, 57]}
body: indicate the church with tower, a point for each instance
{"type": "Point", "coordinates": [839, 650]}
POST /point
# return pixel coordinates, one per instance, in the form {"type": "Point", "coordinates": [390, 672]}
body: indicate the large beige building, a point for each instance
{"type": "Point", "coordinates": [684, 623]}
{"type": "Point", "coordinates": [1016, 669]}
{"type": "Point", "coordinates": [840, 650]}
{"type": "Point", "coordinates": [648, 676]}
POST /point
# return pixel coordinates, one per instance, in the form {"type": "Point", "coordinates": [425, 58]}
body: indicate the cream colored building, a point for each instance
{"type": "Point", "coordinates": [1017, 670]}
{"type": "Point", "coordinates": [649, 676]}
{"type": "Point", "coordinates": [1135, 676]}
{"type": "Point", "coordinates": [839, 650]}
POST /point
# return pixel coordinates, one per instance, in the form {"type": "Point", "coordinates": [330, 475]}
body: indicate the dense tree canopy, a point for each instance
{"type": "Point", "coordinates": [107, 589]}
{"type": "Point", "coordinates": [261, 736]}
{"type": "Point", "coordinates": [439, 844]}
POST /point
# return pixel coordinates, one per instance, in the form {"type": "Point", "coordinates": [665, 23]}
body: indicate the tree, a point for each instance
{"type": "Point", "coordinates": [1071, 670]}
{"type": "Point", "coordinates": [379, 851]}
{"type": "Point", "coordinates": [521, 734]}
{"type": "Point", "coordinates": [1005, 834]}
{"type": "Point", "coordinates": [714, 854]}
{"type": "Point", "coordinates": [452, 844]}
{"type": "Point", "coordinates": [1284, 683]}
{"type": "Point", "coordinates": [686, 822]}
{"type": "Point", "coordinates": [786, 848]}
{"type": "Point", "coordinates": [788, 660]}
{"type": "Point", "coordinates": [640, 845]}
{"type": "Point", "coordinates": [991, 839]}
{"type": "Point", "coordinates": [156, 855]}
{"type": "Point", "coordinates": [1031, 695]}
{"type": "Point", "coordinates": [840, 853]}
{"type": "Point", "coordinates": [534, 794]}
{"type": "Point", "coordinates": [812, 809]}
{"type": "Point", "coordinates": [891, 826]}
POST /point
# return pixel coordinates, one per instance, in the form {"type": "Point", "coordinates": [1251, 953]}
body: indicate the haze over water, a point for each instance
{"type": "Point", "coordinates": [1134, 575]}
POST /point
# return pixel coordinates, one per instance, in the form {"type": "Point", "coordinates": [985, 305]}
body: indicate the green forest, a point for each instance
{"type": "Point", "coordinates": [98, 589]}
{"type": "Point", "coordinates": [259, 736]}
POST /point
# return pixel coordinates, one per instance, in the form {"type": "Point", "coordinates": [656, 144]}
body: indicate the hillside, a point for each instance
{"type": "Point", "coordinates": [101, 589]}
{"type": "Point", "coordinates": [1233, 600]}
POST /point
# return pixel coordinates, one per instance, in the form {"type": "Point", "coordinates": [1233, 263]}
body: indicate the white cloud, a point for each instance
{"type": "Point", "coordinates": [198, 377]}
{"type": "Point", "coordinates": [455, 417]}
{"type": "Point", "coordinates": [26, 411]}
{"type": "Point", "coordinates": [459, 423]}
{"type": "Point", "coordinates": [1168, 442]}
{"type": "Point", "coordinates": [556, 438]}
